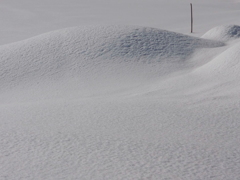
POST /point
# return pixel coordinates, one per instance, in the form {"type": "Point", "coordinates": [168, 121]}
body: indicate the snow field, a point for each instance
{"type": "Point", "coordinates": [119, 102]}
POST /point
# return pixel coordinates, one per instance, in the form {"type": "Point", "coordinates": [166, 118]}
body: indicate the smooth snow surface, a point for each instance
{"type": "Point", "coordinates": [225, 64]}
{"type": "Point", "coordinates": [129, 100]}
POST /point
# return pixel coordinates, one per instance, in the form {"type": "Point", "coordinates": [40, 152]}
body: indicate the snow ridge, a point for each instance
{"type": "Point", "coordinates": [93, 52]}
{"type": "Point", "coordinates": [223, 33]}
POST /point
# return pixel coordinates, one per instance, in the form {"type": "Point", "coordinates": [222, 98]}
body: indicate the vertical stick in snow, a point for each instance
{"type": "Point", "coordinates": [191, 18]}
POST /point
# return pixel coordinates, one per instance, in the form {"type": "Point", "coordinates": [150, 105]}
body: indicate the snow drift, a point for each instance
{"type": "Point", "coordinates": [93, 58]}
{"type": "Point", "coordinates": [226, 64]}
{"type": "Point", "coordinates": [179, 126]}
{"type": "Point", "coordinates": [223, 33]}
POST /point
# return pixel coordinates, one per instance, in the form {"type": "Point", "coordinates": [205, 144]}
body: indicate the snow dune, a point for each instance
{"type": "Point", "coordinates": [65, 113]}
{"type": "Point", "coordinates": [223, 33]}
{"type": "Point", "coordinates": [226, 64]}
{"type": "Point", "coordinates": [93, 60]}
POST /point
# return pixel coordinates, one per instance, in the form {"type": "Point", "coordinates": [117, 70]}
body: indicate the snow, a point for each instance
{"type": "Point", "coordinates": [90, 92]}
{"type": "Point", "coordinates": [225, 64]}
{"type": "Point", "coordinates": [89, 55]}
{"type": "Point", "coordinates": [223, 33]}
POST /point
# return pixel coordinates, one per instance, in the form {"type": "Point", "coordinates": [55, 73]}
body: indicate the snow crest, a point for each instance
{"type": "Point", "coordinates": [223, 33]}
{"type": "Point", "coordinates": [98, 57]}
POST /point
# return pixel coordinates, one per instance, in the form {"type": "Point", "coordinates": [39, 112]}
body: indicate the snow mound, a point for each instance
{"type": "Point", "coordinates": [226, 65]}
{"type": "Point", "coordinates": [96, 57]}
{"type": "Point", "coordinates": [223, 33]}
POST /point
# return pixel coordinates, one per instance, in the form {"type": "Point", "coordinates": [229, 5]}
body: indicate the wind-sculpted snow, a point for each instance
{"type": "Point", "coordinates": [121, 138]}
{"type": "Point", "coordinates": [119, 102]}
{"type": "Point", "coordinates": [86, 57]}
{"type": "Point", "coordinates": [225, 65]}
{"type": "Point", "coordinates": [223, 33]}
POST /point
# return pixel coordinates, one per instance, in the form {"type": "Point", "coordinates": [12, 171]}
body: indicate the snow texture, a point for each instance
{"type": "Point", "coordinates": [122, 101]}
{"type": "Point", "coordinates": [96, 54]}
{"type": "Point", "coordinates": [223, 33]}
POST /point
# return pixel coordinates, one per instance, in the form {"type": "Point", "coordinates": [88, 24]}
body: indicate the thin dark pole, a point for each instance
{"type": "Point", "coordinates": [191, 18]}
